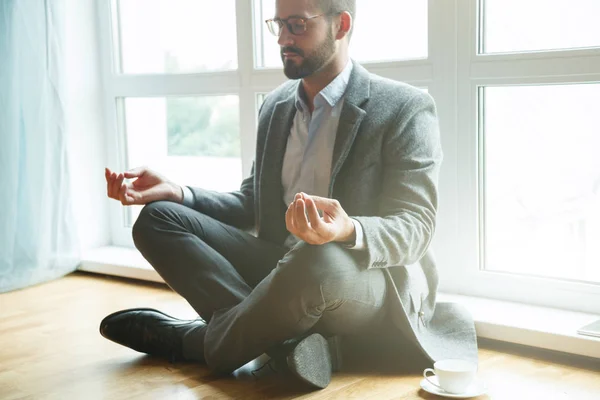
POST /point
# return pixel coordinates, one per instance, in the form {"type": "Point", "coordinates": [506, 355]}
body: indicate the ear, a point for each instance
{"type": "Point", "coordinates": [345, 25]}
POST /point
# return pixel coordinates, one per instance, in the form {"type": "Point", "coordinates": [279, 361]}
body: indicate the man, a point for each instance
{"type": "Point", "coordinates": [343, 199]}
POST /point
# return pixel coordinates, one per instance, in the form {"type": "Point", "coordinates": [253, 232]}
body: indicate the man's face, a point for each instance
{"type": "Point", "coordinates": [305, 54]}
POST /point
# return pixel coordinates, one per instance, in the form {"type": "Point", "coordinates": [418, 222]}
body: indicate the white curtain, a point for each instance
{"type": "Point", "coordinates": [38, 239]}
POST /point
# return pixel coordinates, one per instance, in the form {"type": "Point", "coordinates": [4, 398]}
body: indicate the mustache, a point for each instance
{"type": "Point", "coordinates": [291, 49]}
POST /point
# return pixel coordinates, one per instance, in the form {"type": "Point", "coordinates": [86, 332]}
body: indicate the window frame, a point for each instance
{"type": "Point", "coordinates": [246, 82]}
{"type": "Point", "coordinates": [453, 73]}
{"type": "Point", "coordinates": [466, 275]}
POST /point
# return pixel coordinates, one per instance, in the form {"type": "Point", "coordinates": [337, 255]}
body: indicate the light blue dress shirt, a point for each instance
{"type": "Point", "coordinates": [309, 152]}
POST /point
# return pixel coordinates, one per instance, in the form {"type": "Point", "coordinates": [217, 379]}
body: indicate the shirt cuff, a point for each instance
{"type": "Point", "coordinates": [359, 243]}
{"type": "Point", "coordinates": [188, 196]}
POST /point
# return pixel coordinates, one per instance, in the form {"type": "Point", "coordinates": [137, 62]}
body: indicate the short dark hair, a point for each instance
{"type": "Point", "coordinates": [334, 7]}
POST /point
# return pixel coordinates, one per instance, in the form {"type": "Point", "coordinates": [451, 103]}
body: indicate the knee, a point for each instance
{"type": "Point", "coordinates": [324, 267]}
{"type": "Point", "coordinates": [146, 222]}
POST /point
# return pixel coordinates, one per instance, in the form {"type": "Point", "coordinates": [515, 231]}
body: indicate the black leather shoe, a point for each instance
{"type": "Point", "coordinates": [148, 331]}
{"type": "Point", "coordinates": [310, 360]}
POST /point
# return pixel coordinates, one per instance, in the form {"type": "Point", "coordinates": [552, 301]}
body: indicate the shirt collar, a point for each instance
{"type": "Point", "coordinates": [332, 93]}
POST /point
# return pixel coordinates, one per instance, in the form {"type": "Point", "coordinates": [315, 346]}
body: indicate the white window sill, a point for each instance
{"type": "Point", "coordinates": [119, 261]}
{"type": "Point", "coordinates": [542, 327]}
{"type": "Point", "coordinates": [535, 326]}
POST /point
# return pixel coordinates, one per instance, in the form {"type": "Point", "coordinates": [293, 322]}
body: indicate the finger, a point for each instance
{"type": "Point", "coordinates": [300, 223]}
{"type": "Point", "coordinates": [113, 193]}
{"type": "Point", "coordinates": [321, 201]}
{"type": "Point", "coordinates": [117, 185]}
{"type": "Point", "coordinates": [331, 206]}
{"type": "Point", "coordinates": [313, 214]}
{"type": "Point", "coordinates": [111, 186]}
{"type": "Point", "coordinates": [320, 227]}
{"type": "Point", "coordinates": [131, 200]}
{"type": "Point", "coordinates": [289, 221]}
{"type": "Point", "coordinates": [107, 174]}
{"type": "Point", "coordinates": [294, 217]}
{"type": "Point", "coordinates": [134, 197]}
{"type": "Point", "coordinates": [123, 194]}
{"type": "Point", "coordinates": [128, 195]}
{"type": "Point", "coordinates": [300, 220]}
{"type": "Point", "coordinates": [135, 173]}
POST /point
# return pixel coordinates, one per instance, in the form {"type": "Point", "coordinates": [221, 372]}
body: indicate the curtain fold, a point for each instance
{"type": "Point", "coordinates": [38, 238]}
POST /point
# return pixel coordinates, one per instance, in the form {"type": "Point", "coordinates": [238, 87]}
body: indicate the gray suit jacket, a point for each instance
{"type": "Point", "coordinates": [384, 173]}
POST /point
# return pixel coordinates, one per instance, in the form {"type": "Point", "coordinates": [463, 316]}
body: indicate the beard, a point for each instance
{"type": "Point", "coordinates": [311, 63]}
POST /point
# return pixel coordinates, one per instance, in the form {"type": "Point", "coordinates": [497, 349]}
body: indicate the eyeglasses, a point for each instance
{"type": "Point", "coordinates": [296, 25]}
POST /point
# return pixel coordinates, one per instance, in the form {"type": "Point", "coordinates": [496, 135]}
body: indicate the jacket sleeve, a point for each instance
{"type": "Point", "coordinates": [233, 208]}
{"type": "Point", "coordinates": [412, 154]}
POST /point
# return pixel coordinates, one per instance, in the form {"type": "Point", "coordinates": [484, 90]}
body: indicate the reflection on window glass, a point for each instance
{"type": "Point", "coordinates": [385, 30]}
{"type": "Point", "coordinates": [177, 36]}
{"type": "Point", "coordinates": [541, 180]}
{"type": "Point", "coordinates": [193, 141]}
{"type": "Point", "coordinates": [201, 126]}
{"type": "Point", "coordinates": [518, 25]}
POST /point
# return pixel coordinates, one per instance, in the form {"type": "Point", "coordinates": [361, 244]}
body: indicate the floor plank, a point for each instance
{"type": "Point", "coordinates": [50, 348]}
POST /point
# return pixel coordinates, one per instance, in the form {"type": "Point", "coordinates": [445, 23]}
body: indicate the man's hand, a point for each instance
{"type": "Point", "coordinates": [148, 187]}
{"type": "Point", "coordinates": [334, 226]}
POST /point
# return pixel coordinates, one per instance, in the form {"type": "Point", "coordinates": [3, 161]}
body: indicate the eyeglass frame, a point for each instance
{"type": "Point", "coordinates": [289, 26]}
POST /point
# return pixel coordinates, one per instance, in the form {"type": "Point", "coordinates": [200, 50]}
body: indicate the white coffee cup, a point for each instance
{"type": "Point", "coordinates": [454, 376]}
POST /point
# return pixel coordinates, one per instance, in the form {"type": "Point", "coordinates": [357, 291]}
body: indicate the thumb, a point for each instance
{"type": "Point", "coordinates": [322, 203]}
{"type": "Point", "coordinates": [332, 207]}
{"type": "Point", "coordinates": [135, 173]}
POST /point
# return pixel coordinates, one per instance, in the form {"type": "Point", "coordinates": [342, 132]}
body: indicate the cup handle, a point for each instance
{"type": "Point", "coordinates": [429, 376]}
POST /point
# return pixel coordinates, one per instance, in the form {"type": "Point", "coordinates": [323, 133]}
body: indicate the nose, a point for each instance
{"type": "Point", "coordinates": [285, 38]}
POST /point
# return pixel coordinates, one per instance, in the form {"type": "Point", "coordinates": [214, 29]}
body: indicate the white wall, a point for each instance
{"type": "Point", "coordinates": [85, 124]}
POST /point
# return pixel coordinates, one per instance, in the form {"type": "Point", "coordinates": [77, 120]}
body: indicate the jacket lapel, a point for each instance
{"type": "Point", "coordinates": [351, 117]}
{"type": "Point", "coordinates": [272, 164]}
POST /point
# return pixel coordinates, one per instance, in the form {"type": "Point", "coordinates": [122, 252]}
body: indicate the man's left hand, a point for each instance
{"type": "Point", "coordinates": [303, 220]}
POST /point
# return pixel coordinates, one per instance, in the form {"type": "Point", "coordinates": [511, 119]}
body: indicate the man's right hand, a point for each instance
{"type": "Point", "coordinates": [148, 186]}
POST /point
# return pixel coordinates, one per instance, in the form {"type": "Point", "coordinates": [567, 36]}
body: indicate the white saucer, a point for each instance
{"type": "Point", "coordinates": [477, 388]}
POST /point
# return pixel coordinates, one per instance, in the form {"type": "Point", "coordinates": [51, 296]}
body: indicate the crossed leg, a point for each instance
{"type": "Point", "coordinates": [253, 293]}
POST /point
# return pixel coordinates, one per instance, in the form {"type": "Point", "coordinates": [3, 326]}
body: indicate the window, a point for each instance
{"type": "Point", "coordinates": [173, 97]}
{"type": "Point", "coordinates": [515, 25]}
{"type": "Point", "coordinates": [186, 139]}
{"type": "Point", "coordinates": [381, 34]}
{"type": "Point", "coordinates": [519, 186]}
{"type": "Point", "coordinates": [541, 180]}
{"type": "Point", "coordinates": [383, 27]}
{"type": "Point", "coordinates": [185, 81]}
{"type": "Point", "coordinates": [166, 36]}
{"type": "Point", "coordinates": [522, 212]}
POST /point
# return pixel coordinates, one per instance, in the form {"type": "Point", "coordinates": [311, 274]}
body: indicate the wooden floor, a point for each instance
{"type": "Point", "coordinates": [50, 348]}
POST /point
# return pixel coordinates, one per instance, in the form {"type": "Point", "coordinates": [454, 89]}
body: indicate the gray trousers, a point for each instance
{"type": "Point", "coordinates": [253, 293]}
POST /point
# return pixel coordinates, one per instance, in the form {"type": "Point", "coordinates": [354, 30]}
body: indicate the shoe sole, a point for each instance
{"type": "Point", "coordinates": [311, 361]}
